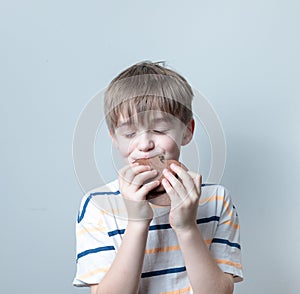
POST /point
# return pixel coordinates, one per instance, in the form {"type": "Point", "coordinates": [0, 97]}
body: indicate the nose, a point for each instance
{"type": "Point", "coordinates": [145, 142]}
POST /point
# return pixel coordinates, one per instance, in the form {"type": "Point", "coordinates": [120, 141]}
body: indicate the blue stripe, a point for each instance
{"type": "Point", "coordinates": [80, 217]}
{"type": "Point", "coordinates": [160, 227]}
{"type": "Point", "coordinates": [116, 232]}
{"type": "Point", "coordinates": [95, 250]}
{"type": "Point", "coordinates": [208, 219]}
{"type": "Point", "coordinates": [224, 241]}
{"type": "Point", "coordinates": [207, 184]}
{"type": "Point", "coordinates": [165, 226]}
{"type": "Point", "coordinates": [164, 272]}
{"type": "Point", "coordinates": [151, 228]}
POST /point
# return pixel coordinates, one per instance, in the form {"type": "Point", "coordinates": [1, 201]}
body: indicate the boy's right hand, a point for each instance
{"type": "Point", "coordinates": [134, 192]}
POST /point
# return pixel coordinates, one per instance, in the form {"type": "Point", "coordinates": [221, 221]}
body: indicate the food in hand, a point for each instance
{"type": "Point", "coordinates": [158, 163]}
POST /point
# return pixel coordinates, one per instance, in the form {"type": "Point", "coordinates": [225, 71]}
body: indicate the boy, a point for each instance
{"type": "Point", "coordinates": [178, 236]}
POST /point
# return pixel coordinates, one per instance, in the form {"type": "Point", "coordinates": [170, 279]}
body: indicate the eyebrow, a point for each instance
{"type": "Point", "coordinates": [153, 121]}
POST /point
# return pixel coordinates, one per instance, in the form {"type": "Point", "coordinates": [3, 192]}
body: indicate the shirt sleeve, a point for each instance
{"type": "Point", "coordinates": [95, 251]}
{"type": "Point", "coordinates": [225, 246]}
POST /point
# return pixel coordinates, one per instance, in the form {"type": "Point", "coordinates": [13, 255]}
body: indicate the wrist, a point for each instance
{"type": "Point", "coordinates": [138, 225]}
{"type": "Point", "coordinates": [188, 236]}
{"type": "Point", "coordinates": [187, 230]}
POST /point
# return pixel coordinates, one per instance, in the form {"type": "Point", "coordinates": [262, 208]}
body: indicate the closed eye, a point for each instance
{"type": "Point", "coordinates": [129, 135]}
{"type": "Point", "coordinates": [159, 131]}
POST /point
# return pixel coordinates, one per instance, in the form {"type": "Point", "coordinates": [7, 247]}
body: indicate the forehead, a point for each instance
{"type": "Point", "coordinates": [146, 118]}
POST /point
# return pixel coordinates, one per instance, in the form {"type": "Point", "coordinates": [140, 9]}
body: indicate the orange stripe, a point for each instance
{"type": "Point", "coordinates": [230, 223]}
{"type": "Point", "coordinates": [218, 198]}
{"type": "Point", "coordinates": [228, 262]}
{"type": "Point", "coordinates": [184, 290]}
{"type": "Point", "coordinates": [212, 198]}
{"type": "Point", "coordinates": [93, 272]}
{"type": "Point", "coordinates": [208, 242]}
{"type": "Point", "coordinates": [89, 230]}
{"type": "Point", "coordinates": [113, 211]}
{"type": "Point", "coordinates": [226, 205]}
{"type": "Point", "coordinates": [169, 248]}
{"type": "Point", "coordinates": [161, 249]}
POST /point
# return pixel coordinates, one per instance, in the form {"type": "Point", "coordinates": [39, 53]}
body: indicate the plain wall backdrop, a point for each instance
{"type": "Point", "coordinates": [55, 55]}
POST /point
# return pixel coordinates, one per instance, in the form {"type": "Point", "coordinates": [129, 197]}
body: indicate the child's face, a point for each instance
{"type": "Point", "coordinates": [151, 133]}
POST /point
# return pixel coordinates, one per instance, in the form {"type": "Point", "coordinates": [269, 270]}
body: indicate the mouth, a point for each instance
{"type": "Point", "coordinates": [157, 163]}
{"type": "Point", "coordinates": [147, 156]}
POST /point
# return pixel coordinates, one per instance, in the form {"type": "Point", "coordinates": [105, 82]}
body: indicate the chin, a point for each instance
{"type": "Point", "coordinates": [158, 191]}
{"type": "Point", "coordinates": [158, 196]}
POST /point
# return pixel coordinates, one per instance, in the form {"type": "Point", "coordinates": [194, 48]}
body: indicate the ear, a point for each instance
{"type": "Point", "coordinates": [188, 133]}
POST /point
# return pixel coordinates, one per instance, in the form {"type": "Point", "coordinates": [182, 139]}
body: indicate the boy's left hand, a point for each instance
{"type": "Point", "coordinates": [184, 193]}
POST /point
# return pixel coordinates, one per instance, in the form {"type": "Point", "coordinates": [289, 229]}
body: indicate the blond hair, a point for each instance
{"type": "Point", "coordinates": [147, 86]}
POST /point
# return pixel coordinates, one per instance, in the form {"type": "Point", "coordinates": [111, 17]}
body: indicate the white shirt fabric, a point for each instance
{"type": "Point", "coordinates": [102, 221]}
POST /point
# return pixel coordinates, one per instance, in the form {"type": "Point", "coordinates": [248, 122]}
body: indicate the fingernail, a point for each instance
{"type": "Point", "coordinates": [165, 171]}
{"type": "Point", "coordinates": [173, 165]}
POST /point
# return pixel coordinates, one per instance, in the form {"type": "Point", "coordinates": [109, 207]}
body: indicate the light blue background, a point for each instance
{"type": "Point", "coordinates": [55, 55]}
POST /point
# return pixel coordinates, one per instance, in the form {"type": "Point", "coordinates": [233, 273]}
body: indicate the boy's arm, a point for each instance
{"type": "Point", "coordinates": [125, 271]}
{"type": "Point", "coordinates": [204, 274]}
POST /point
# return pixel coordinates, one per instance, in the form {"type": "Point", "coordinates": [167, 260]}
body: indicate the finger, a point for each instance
{"type": "Point", "coordinates": [170, 191]}
{"type": "Point", "coordinates": [171, 178]}
{"type": "Point", "coordinates": [175, 184]}
{"type": "Point", "coordinates": [145, 189]}
{"type": "Point", "coordinates": [197, 178]}
{"type": "Point", "coordinates": [124, 172]}
{"type": "Point", "coordinates": [186, 179]}
{"type": "Point", "coordinates": [192, 174]}
{"type": "Point", "coordinates": [124, 169]}
{"type": "Point", "coordinates": [129, 172]}
{"type": "Point", "coordinates": [142, 177]}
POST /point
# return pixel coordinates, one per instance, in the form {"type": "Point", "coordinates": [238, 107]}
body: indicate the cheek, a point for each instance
{"type": "Point", "coordinates": [125, 147]}
{"type": "Point", "coordinates": [170, 145]}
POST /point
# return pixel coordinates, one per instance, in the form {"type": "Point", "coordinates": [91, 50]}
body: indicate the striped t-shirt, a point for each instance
{"type": "Point", "coordinates": [102, 222]}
